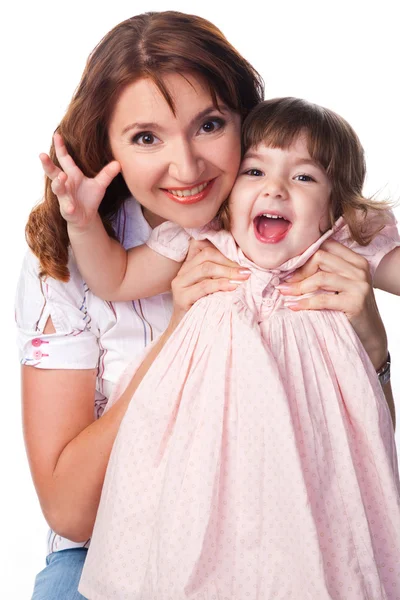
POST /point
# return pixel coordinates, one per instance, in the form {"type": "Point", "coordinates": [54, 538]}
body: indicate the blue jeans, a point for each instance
{"type": "Point", "coordinates": [60, 578]}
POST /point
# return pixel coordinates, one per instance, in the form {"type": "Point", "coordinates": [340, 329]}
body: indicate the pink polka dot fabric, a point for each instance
{"type": "Point", "coordinates": [256, 461]}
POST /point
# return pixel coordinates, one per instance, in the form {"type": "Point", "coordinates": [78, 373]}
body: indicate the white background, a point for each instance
{"type": "Point", "coordinates": [344, 55]}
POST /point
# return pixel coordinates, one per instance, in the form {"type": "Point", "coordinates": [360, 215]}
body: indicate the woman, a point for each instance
{"type": "Point", "coordinates": [74, 346]}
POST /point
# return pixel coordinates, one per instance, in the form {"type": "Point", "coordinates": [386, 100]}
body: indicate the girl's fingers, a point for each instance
{"type": "Point", "coordinates": [66, 161]}
{"type": "Point", "coordinates": [49, 167]}
{"type": "Point", "coordinates": [59, 188]}
{"type": "Point", "coordinates": [107, 174]}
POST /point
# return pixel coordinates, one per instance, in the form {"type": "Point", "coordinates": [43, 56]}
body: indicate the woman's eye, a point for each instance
{"type": "Point", "coordinates": [145, 138]}
{"type": "Point", "coordinates": [212, 125]}
{"type": "Point", "coordinates": [254, 172]}
{"type": "Point", "coordinates": [304, 177]}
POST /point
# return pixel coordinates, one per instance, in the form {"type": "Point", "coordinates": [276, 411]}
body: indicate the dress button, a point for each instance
{"type": "Point", "coordinates": [37, 342]}
{"type": "Point", "coordinates": [268, 302]}
{"type": "Point", "coordinates": [37, 354]}
{"type": "Point", "coordinates": [275, 280]}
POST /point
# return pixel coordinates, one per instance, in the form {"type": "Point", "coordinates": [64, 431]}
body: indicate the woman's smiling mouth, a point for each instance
{"type": "Point", "coordinates": [190, 195]}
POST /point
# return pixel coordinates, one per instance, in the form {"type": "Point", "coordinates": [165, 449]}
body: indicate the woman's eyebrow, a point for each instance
{"type": "Point", "coordinates": [151, 125]}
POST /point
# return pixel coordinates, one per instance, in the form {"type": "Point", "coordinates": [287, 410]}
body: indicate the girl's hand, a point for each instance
{"type": "Point", "coordinates": [204, 272]}
{"type": "Point", "coordinates": [336, 268]}
{"type": "Point", "coordinates": [79, 196]}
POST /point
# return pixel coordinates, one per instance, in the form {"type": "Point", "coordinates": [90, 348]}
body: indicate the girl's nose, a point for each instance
{"type": "Point", "coordinates": [274, 187]}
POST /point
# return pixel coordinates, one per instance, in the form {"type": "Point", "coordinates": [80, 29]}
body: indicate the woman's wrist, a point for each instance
{"type": "Point", "coordinates": [384, 371]}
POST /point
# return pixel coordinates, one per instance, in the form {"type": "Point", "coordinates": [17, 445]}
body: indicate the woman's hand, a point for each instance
{"type": "Point", "coordinates": [336, 268]}
{"type": "Point", "coordinates": [79, 196]}
{"type": "Point", "coordinates": [204, 272]}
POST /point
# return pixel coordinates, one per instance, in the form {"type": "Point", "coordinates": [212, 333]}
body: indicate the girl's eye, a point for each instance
{"type": "Point", "coordinates": [212, 125]}
{"type": "Point", "coordinates": [145, 138]}
{"type": "Point", "coordinates": [304, 177]}
{"type": "Point", "coordinates": [254, 173]}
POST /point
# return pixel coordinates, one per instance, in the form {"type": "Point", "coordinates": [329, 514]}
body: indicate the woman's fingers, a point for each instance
{"type": "Point", "coordinates": [335, 258]}
{"type": "Point", "coordinates": [208, 269]}
{"type": "Point", "coordinates": [324, 302]}
{"type": "Point", "coordinates": [332, 247]}
{"type": "Point", "coordinates": [195, 247]}
{"type": "Point", "coordinates": [189, 295]}
{"type": "Point", "coordinates": [204, 250]}
{"type": "Point", "coordinates": [322, 280]}
{"type": "Point", "coordinates": [205, 271]}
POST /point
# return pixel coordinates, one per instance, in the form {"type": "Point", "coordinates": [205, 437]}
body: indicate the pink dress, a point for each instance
{"type": "Point", "coordinates": [256, 461]}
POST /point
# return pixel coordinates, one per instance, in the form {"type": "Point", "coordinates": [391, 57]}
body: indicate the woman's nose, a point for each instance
{"type": "Point", "coordinates": [186, 164]}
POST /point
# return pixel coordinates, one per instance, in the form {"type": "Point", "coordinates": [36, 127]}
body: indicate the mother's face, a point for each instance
{"type": "Point", "coordinates": [179, 167]}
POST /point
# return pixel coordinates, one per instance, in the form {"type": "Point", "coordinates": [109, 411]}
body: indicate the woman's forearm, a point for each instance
{"type": "Point", "coordinates": [79, 474]}
{"type": "Point", "coordinates": [77, 480]}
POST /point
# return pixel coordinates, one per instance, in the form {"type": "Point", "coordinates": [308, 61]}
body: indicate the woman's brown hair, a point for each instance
{"type": "Point", "coordinates": [148, 45]}
{"type": "Point", "coordinates": [333, 144]}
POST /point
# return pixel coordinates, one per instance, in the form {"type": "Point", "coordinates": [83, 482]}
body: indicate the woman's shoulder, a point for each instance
{"type": "Point", "coordinates": [36, 295]}
{"type": "Point", "coordinates": [130, 225]}
{"type": "Point", "coordinates": [30, 279]}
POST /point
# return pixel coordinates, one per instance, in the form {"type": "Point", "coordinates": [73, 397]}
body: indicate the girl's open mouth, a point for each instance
{"type": "Point", "coordinates": [190, 195]}
{"type": "Point", "coordinates": [270, 228]}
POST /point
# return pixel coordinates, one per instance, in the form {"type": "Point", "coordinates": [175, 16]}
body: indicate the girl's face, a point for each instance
{"type": "Point", "coordinates": [179, 167]}
{"type": "Point", "coordinates": [279, 203]}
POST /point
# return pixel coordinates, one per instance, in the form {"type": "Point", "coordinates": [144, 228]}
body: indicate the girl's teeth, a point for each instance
{"type": "Point", "coordinates": [273, 216]}
{"type": "Point", "coordinates": [192, 192]}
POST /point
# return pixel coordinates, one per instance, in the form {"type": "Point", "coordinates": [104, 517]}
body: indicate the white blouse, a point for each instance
{"type": "Point", "coordinates": [89, 332]}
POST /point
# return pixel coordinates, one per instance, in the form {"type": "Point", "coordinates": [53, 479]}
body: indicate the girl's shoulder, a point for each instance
{"type": "Point", "coordinates": [381, 227]}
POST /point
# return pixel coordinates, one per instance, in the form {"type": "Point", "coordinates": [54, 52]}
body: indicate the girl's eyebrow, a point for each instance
{"type": "Point", "coordinates": [141, 126]}
{"type": "Point", "coordinates": [308, 161]}
{"type": "Point", "coordinates": [300, 160]}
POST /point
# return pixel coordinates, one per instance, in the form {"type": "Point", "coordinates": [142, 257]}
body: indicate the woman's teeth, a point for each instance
{"type": "Point", "coordinates": [192, 192]}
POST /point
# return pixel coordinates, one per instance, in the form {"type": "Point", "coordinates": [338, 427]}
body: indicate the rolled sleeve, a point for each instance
{"type": "Point", "coordinates": [170, 240]}
{"type": "Point", "coordinates": [74, 345]}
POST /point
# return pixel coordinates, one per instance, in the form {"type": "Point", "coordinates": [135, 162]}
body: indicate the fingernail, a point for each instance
{"type": "Point", "coordinates": [293, 306]}
{"type": "Point", "coordinates": [290, 302]}
{"type": "Point", "coordinates": [244, 271]}
{"type": "Point", "coordinates": [235, 281]}
{"type": "Point", "coordinates": [283, 287]}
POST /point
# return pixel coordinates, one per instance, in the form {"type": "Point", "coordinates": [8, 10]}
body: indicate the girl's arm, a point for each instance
{"type": "Point", "coordinates": [113, 273]}
{"type": "Point", "coordinates": [387, 274]}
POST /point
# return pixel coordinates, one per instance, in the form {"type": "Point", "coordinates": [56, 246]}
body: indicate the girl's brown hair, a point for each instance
{"type": "Point", "coordinates": [333, 144]}
{"type": "Point", "coordinates": [148, 45]}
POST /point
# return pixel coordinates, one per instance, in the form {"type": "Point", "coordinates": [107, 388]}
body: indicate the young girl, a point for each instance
{"type": "Point", "coordinates": [257, 457]}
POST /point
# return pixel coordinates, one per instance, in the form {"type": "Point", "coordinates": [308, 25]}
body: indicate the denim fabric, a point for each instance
{"type": "Point", "coordinates": [60, 578]}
